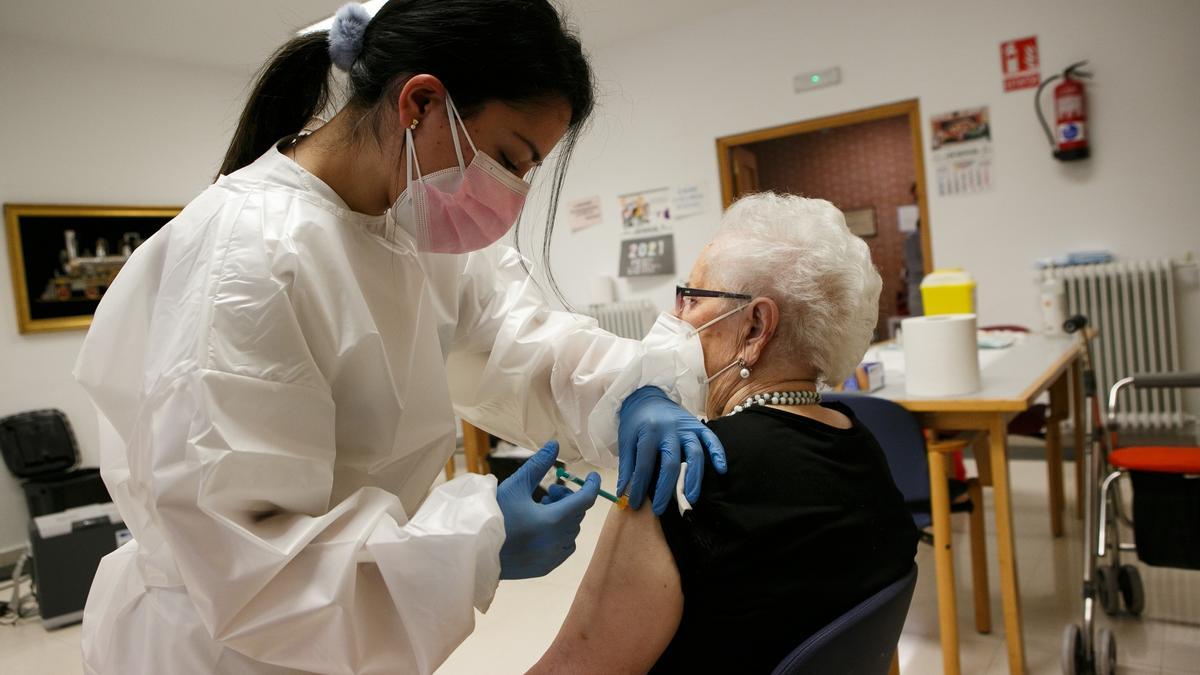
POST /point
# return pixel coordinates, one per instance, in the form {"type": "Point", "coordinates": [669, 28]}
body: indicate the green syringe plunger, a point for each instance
{"type": "Point", "coordinates": [621, 502]}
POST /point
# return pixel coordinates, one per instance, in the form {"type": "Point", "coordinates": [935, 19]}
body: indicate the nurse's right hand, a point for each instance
{"type": "Point", "coordinates": [539, 537]}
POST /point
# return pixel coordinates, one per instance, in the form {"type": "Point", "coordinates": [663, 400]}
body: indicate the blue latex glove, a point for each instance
{"type": "Point", "coordinates": [654, 426]}
{"type": "Point", "coordinates": [539, 537]}
{"type": "Point", "coordinates": [556, 492]}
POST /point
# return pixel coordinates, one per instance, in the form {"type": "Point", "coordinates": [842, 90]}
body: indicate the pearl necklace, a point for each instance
{"type": "Point", "coordinates": [806, 397]}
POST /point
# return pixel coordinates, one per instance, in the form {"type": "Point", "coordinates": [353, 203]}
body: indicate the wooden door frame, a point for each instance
{"type": "Point", "coordinates": [910, 109]}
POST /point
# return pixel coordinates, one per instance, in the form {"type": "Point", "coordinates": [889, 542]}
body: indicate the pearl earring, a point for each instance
{"type": "Point", "coordinates": [414, 124]}
{"type": "Point", "coordinates": [744, 372]}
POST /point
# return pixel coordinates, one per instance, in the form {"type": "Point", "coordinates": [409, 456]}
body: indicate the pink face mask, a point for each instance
{"type": "Point", "coordinates": [459, 209]}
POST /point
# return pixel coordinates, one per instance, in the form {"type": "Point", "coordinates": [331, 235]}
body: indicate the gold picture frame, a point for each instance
{"type": "Point", "coordinates": [58, 279]}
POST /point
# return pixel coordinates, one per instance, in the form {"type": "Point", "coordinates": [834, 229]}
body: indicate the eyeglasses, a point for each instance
{"type": "Point", "coordinates": [682, 292]}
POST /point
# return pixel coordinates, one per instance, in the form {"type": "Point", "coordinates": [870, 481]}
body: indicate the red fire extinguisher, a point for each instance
{"type": "Point", "coordinates": [1069, 139]}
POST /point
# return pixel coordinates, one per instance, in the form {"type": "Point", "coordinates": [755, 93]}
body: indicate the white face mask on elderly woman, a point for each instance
{"type": "Point", "coordinates": [670, 333]}
{"type": "Point", "coordinates": [459, 209]}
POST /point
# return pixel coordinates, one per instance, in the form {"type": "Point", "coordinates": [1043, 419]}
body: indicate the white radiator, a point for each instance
{"type": "Point", "coordinates": [630, 319]}
{"type": "Point", "coordinates": [1132, 305]}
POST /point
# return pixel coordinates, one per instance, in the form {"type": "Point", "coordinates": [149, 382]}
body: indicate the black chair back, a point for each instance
{"type": "Point", "coordinates": [859, 642]}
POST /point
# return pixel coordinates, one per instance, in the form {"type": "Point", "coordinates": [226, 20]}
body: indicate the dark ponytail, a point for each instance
{"type": "Point", "coordinates": [514, 51]}
{"type": "Point", "coordinates": [291, 88]}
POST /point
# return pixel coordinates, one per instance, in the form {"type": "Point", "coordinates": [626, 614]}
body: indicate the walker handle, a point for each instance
{"type": "Point", "coordinates": [1166, 380]}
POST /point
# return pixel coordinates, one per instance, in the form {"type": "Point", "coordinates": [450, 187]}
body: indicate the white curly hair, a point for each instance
{"type": "Point", "coordinates": [799, 253]}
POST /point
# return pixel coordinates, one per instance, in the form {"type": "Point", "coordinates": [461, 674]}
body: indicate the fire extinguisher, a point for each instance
{"type": "Point", "coordinates": [1069, 139]}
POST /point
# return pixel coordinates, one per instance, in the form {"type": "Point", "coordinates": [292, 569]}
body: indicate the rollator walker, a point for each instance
{"type": "Point", "coordinates": [1165, 519]}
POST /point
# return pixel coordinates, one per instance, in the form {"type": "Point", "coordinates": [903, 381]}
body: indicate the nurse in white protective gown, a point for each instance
{"type": "Point", "coordinates": [277, 371]}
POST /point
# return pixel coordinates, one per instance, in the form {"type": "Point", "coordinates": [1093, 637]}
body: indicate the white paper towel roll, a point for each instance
{"type": "Point", "coordinates": [940, 355]}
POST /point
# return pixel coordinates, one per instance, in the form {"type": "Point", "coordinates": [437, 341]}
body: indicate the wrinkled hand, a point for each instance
{"type": "Point", "coordinates": [539, 537]}
{"type": "Point", "coordinates": [652, 426]}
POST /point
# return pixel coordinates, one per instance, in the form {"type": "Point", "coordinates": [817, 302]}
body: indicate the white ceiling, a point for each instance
{"type": "Point", "coordinates": [241, 33]}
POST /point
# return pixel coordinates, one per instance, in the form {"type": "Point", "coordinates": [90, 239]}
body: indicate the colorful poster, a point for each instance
{"type": "Point", "coordinates": [1019, 63]}
{"type": "Point", "coordinates": [962, 151]}
{"type": "Point", "coordinates": [584, 213]}
{"type": "Point", "coordinates": [645, 212]}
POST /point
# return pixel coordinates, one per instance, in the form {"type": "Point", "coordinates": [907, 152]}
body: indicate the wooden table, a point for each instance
{"type": "Point", "coordinates": [1011, 383]}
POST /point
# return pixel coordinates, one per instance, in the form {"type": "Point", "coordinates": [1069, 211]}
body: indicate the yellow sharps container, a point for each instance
{"type": "Point", "coordinates": [948, 291]}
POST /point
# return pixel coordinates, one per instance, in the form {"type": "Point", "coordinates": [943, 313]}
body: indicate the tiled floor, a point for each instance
{"type": "Point", "coordinates": [526, 614]}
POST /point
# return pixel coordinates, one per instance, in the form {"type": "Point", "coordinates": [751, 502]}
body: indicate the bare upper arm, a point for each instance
{"type": "Point", "coordinates": [628, 605]}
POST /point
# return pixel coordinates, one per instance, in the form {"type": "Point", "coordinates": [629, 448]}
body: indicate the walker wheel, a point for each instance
{"type": "Point", "coordinates": [1106, 653]}
{"type": "Point", "coordinates": [1073, 660]}
{"type": "Point", "coordinates": [1108, 589]}
{"type": "Point", "coordinates": [1133, 593]}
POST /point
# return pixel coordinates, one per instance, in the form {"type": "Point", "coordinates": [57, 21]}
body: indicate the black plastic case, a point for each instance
{"type": "Point", "coordinates": [39, 447]}
{"type": "Point", "coordinates": [38, 443]}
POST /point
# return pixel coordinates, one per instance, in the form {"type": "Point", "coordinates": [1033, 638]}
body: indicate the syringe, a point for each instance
{"type": "Point", "coordinates": [622, 502]}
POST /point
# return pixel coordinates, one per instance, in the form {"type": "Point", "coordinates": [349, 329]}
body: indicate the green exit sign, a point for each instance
{"type": "Point", "coordinates": [817, 79]}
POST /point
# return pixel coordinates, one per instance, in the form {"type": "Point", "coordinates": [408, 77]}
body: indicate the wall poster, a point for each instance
{"type": "Point", "coordinates": [648, 256]}
{"type": "Point", "coordinates": [962, 151]}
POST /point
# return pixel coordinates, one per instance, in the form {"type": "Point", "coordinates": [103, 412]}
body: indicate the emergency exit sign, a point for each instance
{"type": "Point", "coordinates": [1019, 62]}
{"type": "Point", "coordinates": [817, 79]}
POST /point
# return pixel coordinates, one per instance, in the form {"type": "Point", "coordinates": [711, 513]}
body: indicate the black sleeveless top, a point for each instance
{"type": "Point", "coordinates": [806, 524]}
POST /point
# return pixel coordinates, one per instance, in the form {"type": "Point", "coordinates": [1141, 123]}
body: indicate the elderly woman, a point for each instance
{"type": "Point", "coordinates": [807, 522]}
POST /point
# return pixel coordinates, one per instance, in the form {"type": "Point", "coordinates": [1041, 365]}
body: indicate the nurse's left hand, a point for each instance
{"type": "Point", "coordinates": [654, 429]}
{"type": "Point", "coordinates": [539, 537]}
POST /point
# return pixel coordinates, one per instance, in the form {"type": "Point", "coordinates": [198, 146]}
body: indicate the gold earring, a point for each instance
{"type": "Point", "coordinates": [414, 124]}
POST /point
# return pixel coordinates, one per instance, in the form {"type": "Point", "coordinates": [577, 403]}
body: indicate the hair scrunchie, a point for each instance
{"type": "Point", "coordinates": [346, 34]}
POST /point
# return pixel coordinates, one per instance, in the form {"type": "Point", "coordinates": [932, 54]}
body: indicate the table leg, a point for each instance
{"type": "Point", "coordinates": [979, 573]}
{"type": "Point", "coordinates": [450, 468]}
{"type": "Point", "coordinates": [1054, 474]}
{"type": "Point", "coordinates": [983, 460]}
{"type": "Point", "coordinates": [475, 446]}
{"type": "Point", "coordinates": [943, 559]}
{"type": "Point", "coordinates": [1077, 416]}
{"type": "Point", "coordinates": [1009, 588]}
{"type": "Point", "coordinates": [1054, 461]}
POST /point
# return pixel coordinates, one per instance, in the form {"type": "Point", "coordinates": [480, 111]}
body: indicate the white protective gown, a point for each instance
{"type": "Point", "coordinates": [276, 378]}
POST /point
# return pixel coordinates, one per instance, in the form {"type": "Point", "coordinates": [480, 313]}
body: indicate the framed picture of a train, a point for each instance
{"type": "Point", "coordinates": [63, 258]}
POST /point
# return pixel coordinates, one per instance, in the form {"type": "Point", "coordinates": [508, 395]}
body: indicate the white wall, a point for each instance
{"type": "Point", "coordinates": [87, 127]}
{"type": "Point", "coordinates": [670, 94]}
{"type": "Point", "coordinates": [90, 127]}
